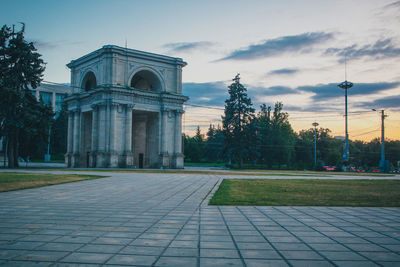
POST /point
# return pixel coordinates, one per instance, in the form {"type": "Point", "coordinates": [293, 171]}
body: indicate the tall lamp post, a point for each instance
{"type": "Point", "coordinates": [346, 85]}
{"type": "Point", "coordinates": [382, 163]}
{"type": "Point", "coordinates": [315, 124]}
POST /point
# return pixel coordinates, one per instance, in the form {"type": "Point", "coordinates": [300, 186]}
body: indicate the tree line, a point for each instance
{"type": "Point", "coordinates": [25, 122]}
{"type": "Point", "coordinates": [267, 140]}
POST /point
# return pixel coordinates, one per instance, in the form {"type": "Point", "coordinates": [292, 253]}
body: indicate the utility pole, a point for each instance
{"type": "Point", "coordinates": [315, 124]}
{"type": "Point", "coordinates": [382, 163]}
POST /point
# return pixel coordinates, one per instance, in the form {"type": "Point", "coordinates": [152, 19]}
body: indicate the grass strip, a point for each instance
{"type": "Point", "coordinates": [15, 180]}
{"type": "Point", "coordinates": [308, 192]}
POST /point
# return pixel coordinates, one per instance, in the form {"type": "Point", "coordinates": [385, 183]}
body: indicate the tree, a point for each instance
{"type": "Point", "coordinates": [194, 147]}
{"type": "Point", "coordinates": [20, 67]}
{"type": "Point", "coordinates": [59, 131]}
{"type": "Point", "coordinates": [238, 129]}
{"type": "Point", "coordinates": [214, 144]}
{"type": "Point", "coordinates": [282, 137]}
{"type": "Point", "coordinates": [263, 126]}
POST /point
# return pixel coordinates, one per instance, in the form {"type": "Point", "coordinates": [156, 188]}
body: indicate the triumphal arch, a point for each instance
{"type": "Point", "coordinates": [125, 110]}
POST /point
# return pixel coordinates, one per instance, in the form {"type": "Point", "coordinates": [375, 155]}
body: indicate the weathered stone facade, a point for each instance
{"type": "Point", "coordinates": [125, 110]}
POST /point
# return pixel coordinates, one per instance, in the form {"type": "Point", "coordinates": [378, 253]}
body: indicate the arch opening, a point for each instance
{"type": "Point", "coordinates": [89, 81]}
{"type": "Point", "coordinates": [146, 80]}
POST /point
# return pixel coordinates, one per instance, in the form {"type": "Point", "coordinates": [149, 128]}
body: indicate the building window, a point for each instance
{"type": "Point", "coordinates": [59, 102]}
{"type": "Point", "coordinates": [46, 97]}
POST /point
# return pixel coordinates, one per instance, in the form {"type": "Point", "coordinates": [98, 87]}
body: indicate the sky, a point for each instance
{"type": "Point", "coordinates": [294, 52]}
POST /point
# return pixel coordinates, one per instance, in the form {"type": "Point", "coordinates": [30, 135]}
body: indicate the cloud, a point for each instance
{"type": "Point", "coordinates": [209, 93]}
{"type": "Point", "coordinates": [187, 46]}
{"type": "Point", "coordinates": [331, 90]}
{"type": "Point", "coordinates": [380, 49]}
{"type": "Point", "coordinates": [381, 103]}
{"type": "Point", "coordinates": [395, 4]}
{"type": "Point", "coordinates": [44, 45]}
{"type": "Point", "coordinates": [215, 94]}
{"type": "Point", "coordinates": [272, 90]}
{"type": "Point", "coordinates": [284, 71]}
{"type": "Point", "coordinates": [302, 43]}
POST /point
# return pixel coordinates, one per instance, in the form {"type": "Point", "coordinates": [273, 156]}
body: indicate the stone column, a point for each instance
{"type": "Point", "coordinates": [164, 141]}
{"type": "Point", "coordinates": [95, 135]}
{"type": "Point", "coordinates": [113, 153]}
{"type": "Point", "coordinates": [178, 131]}
{"type": "Point", "coordinates": [76, 135]}
{"type": "Point", "coordinates": [53, 101]}
{"type": "Point", "coordinates": [128, 135]}
{"type": "Point", "coordinates": [70, 139]}
{"type": "Point", "coordinates": [178, 159]}
{"type": "Point", "coordinates": [101, 136]}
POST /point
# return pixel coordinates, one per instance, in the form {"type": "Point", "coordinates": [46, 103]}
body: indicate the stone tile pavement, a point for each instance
{"type": "Point", "coordinates": [164, 220]}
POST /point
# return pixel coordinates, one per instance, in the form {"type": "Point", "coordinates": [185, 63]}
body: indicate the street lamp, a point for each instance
{"type": "Point", "coordinates": [346, 85]}
{"type": "Point", "coordinates": [382, 162]}
{"type": "Point", "coordinates": [315, 124]}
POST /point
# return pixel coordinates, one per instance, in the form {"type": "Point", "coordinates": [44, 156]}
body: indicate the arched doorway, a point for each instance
{"type": "Point", "coordinates": [146, 80]}
{"type": "Point", "coordinates": [89, 81]}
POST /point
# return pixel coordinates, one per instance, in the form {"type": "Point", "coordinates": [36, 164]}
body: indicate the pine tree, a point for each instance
{"type": "Point", "coordinates": [21, 116]}
{"type": "Point", "coordinates": [237, 123]}
{"type": "Point", "coordinates": [263, 126]}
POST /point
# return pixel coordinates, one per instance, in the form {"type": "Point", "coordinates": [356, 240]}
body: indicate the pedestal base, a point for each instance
{"type": "Point", "coordinates": [178, 161]}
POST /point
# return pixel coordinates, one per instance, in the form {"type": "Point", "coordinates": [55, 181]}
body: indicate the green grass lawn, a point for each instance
{"type": "Point", "coordinates": [14, 181]}
{"type": "Point", "coordinates": [313, 192]}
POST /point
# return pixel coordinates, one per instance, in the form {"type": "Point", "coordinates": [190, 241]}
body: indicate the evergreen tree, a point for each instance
{"type": "Point", "coordinates": [22, 117]}
{"type": "Point", "coordinates": [263, 126]}
{"type": "Point", "coordinates": [282, 137]}
{"type": "Point", "coordinates": [59, 131]}
{"type": "Point", "coordinates": [214, 144]}
{"type": "Point", "coordinates": [238, 129]}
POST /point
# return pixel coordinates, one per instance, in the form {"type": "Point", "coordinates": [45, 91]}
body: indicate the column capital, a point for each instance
{"type": "Point", "coordinates": [75, 110]}
{"type": "Point", "coordinates": [163, 109]}
{"type": "Point", "coordinates": [94, 106]}
{"type": "Point", "coordinates": [130, 106]}
{"type": "Point", "coordinates": [179, 111]}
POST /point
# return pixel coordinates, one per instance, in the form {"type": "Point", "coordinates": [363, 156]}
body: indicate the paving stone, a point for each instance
{"type": "Point", "coordinates": [355, 263]}
{"type": "Point", "coordinates": [342, 255]}
{"type": "Point", "coordinates": [150, 242]}
{"type": "Point", "coordinates": [6, 254]}
{"type": "Point", "coordinates": [41, 256]}
{"type": "Point", "coordinates": [60, 246]}
{"type": "Point", "coordinates": [308, 263]}
{"type": "Point", "coordinates": [263, 246]}
{"type": "Point", "coordinates": [207, 262]}
{"type": "Point", "coordinates": [142, 250]}
{"type": "Point", "coordinates": [132, 260]}
{"type": "Point", "coordinates": [265, 263]}
{"type": "Point", "coordinates": [181, 252]}
{"type": "Point", "coordinates": [301, 255]}
{"type": "Point", "coordinates": [223, 245]}
{"type": "Point", "coordinates": [381, 256]}
{"type": "Point", "coordinates": [184, 243]}
{"type": "Point", "coordinates": [219, 253]}
{"type": "Point", "coordinates": [290, 246]}
{"type": "Point", "coordinates": [100, 248]}
{"type": "Point", "coordinates": [260, 254]}
{"type": "Point", "coordinates": [177, 261]}
{"type": "Point", "coordinates": [20, 245]}
{"type": "Point", "coordinates": [25, 263]}
{"type": "Point", "coordinates": [328, 247]}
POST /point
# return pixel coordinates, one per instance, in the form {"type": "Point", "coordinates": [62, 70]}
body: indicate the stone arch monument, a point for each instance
{"type": "Point", "coordinates": [125, 110]}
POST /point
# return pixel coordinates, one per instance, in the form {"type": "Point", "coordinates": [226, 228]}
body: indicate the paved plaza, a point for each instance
{"type": "Point", "coordinates": [149, 219]}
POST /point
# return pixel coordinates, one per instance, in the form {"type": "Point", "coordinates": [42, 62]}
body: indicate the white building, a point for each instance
{"type": "Point", "coordinates": [125, 110]}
